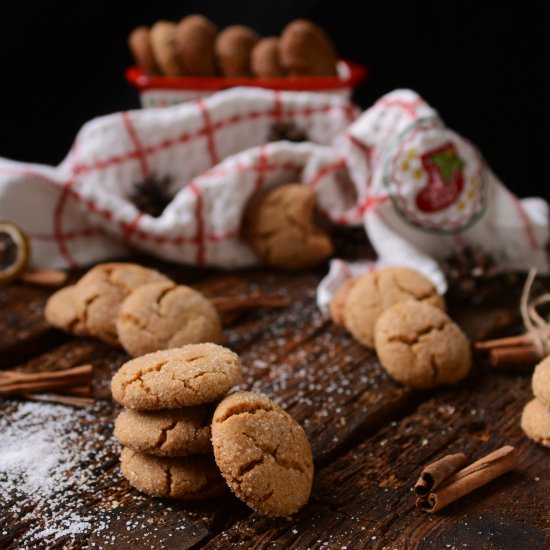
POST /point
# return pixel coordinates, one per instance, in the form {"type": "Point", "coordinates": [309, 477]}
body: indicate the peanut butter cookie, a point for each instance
{"type": "Point", "coordinates": [282, 230]}
{"type": "Point", "coordinates": [263, 454]}
{"type": "Point", "coordinates": [306, 50]}
{"type": "Point", "coordinates": [377, 291]}
{"type": "Point", "coordinates": [100, 293]}
{"type": "Point", "coordinates": [165, 315]}
{"type": "Point", "coordinates": [61, 312]}
{"type": "Point", "coordinates": [535, 422]}
{"type": "Point", "coordinates": [233, 48]}
{"type": "Point", "coordinates": [187, 478]}
{"type": "Point", "coordinates": [139, 42]}
{"type": "Point", "coordinates": [541, 382]}
{"type": "Point", "coordinates": [420, 346]}
{"type": "Point", "coordinates": [180, 377]}
{"type": "Point", "coordinates": [265, 59]}
{"type": "Point", "coordinates": [163, 44]}
{"type": "Point", "coordinates": [195, 39]}
{"type": "Point", "coordinates": [337, 305]}
{"type": "Point", "coordinates": [179, 432]}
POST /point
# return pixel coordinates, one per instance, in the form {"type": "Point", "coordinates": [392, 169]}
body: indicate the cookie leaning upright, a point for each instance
{"type": "Point", "coordinates": [100, 293]}
{"type": "Point", "coordinates": [263, 454]}
{"type": "Point", "coordinates": [174, 378]}
{"type": "Point", "coordinates": [374, 293]}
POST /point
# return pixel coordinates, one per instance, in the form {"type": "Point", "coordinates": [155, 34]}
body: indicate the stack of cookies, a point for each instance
{"type": "Point", "coordinates": [398, 312]}
{"type": "Point", "coordinates": [173, 448]}
{"type": "Point", "coordinates": [169, 398]}
{"type": "Point", "coordinates": [535, 419]}
{"type": "Point", "coordinates": [135, 307]}
{"type": "Point", "coordinates": [194, 47]}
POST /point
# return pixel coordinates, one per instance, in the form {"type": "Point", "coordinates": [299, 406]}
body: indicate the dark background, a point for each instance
{"type": "Point", "coordinates": [483, 67]}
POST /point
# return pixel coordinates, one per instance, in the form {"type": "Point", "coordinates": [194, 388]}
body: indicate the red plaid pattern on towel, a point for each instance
{"type": "Point", "coordinates": [420, 190]}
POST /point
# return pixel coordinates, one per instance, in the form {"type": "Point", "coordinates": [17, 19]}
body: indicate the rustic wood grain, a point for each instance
{"type": "Point", "coordinates": [364, 499]}
{"type": "Point", "coordinates": [23, 330]}
{"type": "Point", "coordinates": [369, 435]}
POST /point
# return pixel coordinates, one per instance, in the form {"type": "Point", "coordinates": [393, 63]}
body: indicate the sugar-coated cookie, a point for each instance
{"type": "Point", "coordinates": [139, 42]}
{"type": "Point", "coordinates": [61, 312]}
{"type": "Point", "coordinates": [180, 377]}
{"type": "Point", "coordinates": [281, 228]}
{"type": "Point", "coordinates": [195, 39]}
{"type": "Point", "coordinates": [374, 293]}
{"type": "Point", "coordinates": [541, 382]}
{"type": "Point", "coordinates": [163, 43]}
{"type": "Point", "coordinates": [233, 49]}
{"type": "Point", "coordinates": [306, 50]}
{"type": "Point", "coordinates": [190, 477]}
{"type": "Point", "coordinates": [535, 422]}
{"type": "Point", "coordinates": [265, 59]}
{"type": "Point", "coordinates": [263, 454]}
{"type": "Point", "coordinates": [420, 346]}
{"type": "Point", "coordinates": [160, 316]}
{"type": "Point", "coordinates": [337, 305]}
{"type": "Point", "coordinates": [179, 432]}
{"type": "Point", "coordinates": [100, 293]}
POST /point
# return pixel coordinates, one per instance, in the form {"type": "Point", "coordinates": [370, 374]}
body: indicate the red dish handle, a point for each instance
{"type": "Point", "coordinates": [356, 75]}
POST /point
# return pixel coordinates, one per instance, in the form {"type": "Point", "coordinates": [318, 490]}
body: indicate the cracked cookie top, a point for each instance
{"type": "Point", "coordinates": [420, 346]}
{"type": "Point", "coordinates": [164, 315]}
{"type": "Point", "coordinates": [189, 477]}
{"type": "Point", "coordinates": [61, 312]}
{"type": "Point", "coordinates": [99, 294]}
{"type": "Point", "coordinates": [179, 432]}
{"type": "Point", "coordinates": [541, 381]}
{"type": "Point", "coordinates": [281, 228]}
{"type": "Point", "coordinates": [374, 293]}
{"type": "Point", "coordinates": [263, 454]}
{"type": "Point", "coordinates": [179, 377]}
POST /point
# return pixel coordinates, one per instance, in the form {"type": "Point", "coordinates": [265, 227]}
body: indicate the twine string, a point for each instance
{"type": "Point", "coordinates": [536, 326]}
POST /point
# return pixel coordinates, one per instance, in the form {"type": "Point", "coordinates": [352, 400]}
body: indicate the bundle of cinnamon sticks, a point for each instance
{"type": "Point", "coordinates": [67, 386]}
{"type": "Point", "coordinates": [449, 478]}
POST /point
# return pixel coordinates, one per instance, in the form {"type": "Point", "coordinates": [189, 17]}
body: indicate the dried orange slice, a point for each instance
{"type": "Point", "coordinates": [14, 252]}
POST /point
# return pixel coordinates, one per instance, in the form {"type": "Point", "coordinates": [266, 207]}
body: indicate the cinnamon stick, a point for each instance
{"type": "Point", "coordinates": [44, 277]}
{"type": "Point", "coordinates": [513, 356]}
{"type": "Point", "coordinates": [250, 301]}
{"type": "Point", "coordinates": [15, 382]}
{"type": "Point", "coordinates": [509, 341]}
{"type": "Point", "coordinates": [469, 479]}
{"type": "Point", "coordinates": [435, 474]}
{"type": "Point", "coordinates": [231, 307]}
{"type": "Point", "coordinates": [73, 401]}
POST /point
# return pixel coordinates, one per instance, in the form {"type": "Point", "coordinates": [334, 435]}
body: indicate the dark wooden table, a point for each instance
{"type": "Point", "coordinates": [370, 437]}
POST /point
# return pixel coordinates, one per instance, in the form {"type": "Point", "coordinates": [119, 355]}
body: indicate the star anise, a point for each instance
{"type": "Point", "coordinates": [286, 131]}
{"type": "Point", "coordinates": [152, 195]}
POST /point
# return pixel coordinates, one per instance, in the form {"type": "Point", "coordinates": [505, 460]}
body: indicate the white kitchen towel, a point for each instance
{"type": "Point", "coordinates": [419, 189]}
